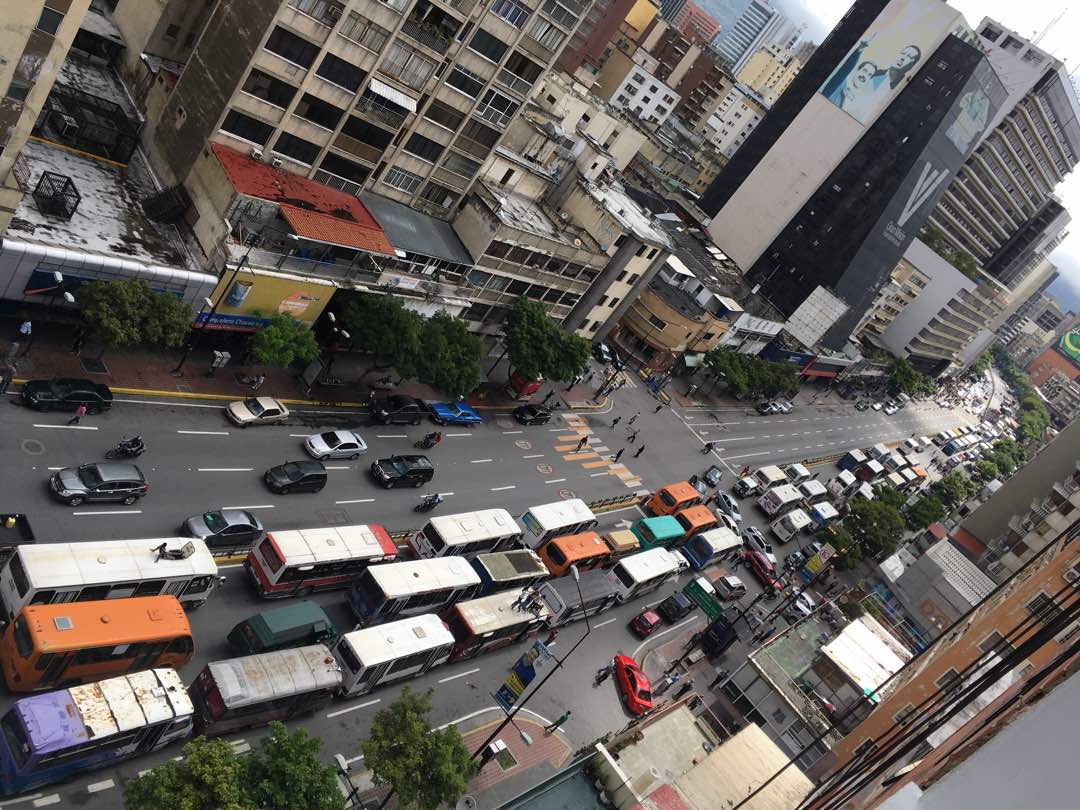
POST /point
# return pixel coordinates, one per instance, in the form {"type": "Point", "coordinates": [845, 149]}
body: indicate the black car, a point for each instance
{"type": "Point", "coordinates": [402, 471]}
{"type": "Point", "coordinates": [713, 476]}
{"type": "Point", "coordinates": [532, 415]}
{"type": "Point", "coordinates": [104, 482]}
{"type": "Point", "coordinates": [66, 394]}
{"type": "Point", "coordinates": [675, 607]}
{"type": "Point", "coordinates": [296, 476]}
{"type": "Point", "coordinates": [398, 409]}
{"type": "Point", "coordinates": [602, 353]}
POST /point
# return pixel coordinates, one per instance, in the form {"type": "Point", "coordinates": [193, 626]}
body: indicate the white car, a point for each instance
{"type": "Point", "coordinates": [727, 522]}
{"type": "Point", "coordinates": [890, 409]}
{"type": "Point", "coordinates": [876, 406]}
{"type": "Point", "coordinates": [754, 540]}
{"type": "Point", "coordinates": [256, 411]}
{"type": "Point", "coordinates": [728, 506]}
{"type": "Point", "coordinates": [335, 444]}
{"type": "Point", "coordinates": [803, 605]}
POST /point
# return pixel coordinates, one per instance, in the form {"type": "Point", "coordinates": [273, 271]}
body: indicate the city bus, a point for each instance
{"type": "Point", "coordinates": [112, 569]}
{"type": "Point", "coordinates": [564, 604]}
{"type": "Point", "coordinates": [621, 543]}
{"type": "Point", "coordinates": [490, 622]}
{"type": "Point", "coordinates": [295, 563]}
{"type": "Point", "coordinates": [695, 519]}
{"type": "Point", "coordinates": [520, 568]}
{"type": "Point", "coordinates": [673, 498]}
{"type": "Point", "coordinates": [657, 532]}
{"type": "Point", "coordinates": [555, 519]}
{"type": "Point", "coordinates": [586, 550]}
{"type": "Point", "coordinates": [78, 642]}
{"type": "Point", "coordinates": [644, 572]}
{"type": "Point", "coordinates": [706, 548]}
{"type": "Point", "coordinates": [257, 689]}
{"type": "Point", "coordinates": [391, 651]}
{"type": "Point", "coordinates": [466, 534]}
{"type": "Point", "coordinates": [54, 735]}
{"type": "Point", "coordinates": [403, 588]}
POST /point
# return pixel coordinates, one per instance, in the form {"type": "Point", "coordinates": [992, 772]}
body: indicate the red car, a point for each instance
{"type": "Point", "coordinates": [644, 623]}
{"type": "Point", "coordinates": [633, 685]}
{"type": "Point", "coordinates": [764, 570]}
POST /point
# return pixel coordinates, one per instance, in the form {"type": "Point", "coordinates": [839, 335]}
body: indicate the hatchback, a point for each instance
{"type": "Point", "coordinates": [602, 353]}
{"type": "Point", "coordinates": [675, 607]}
{"type": "Point", "coordinates": [644, 623]}
{"type": "Point", "coordinates": [754, 540]}
{"type": "Point", "coordinates": [296, 476]}
{"type": "Point", "coordinates": [103, 482]}
{"type": "Point", "coordinates": [729, 506]}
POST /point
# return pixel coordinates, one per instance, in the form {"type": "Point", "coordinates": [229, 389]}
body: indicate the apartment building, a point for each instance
{"type": "Point", "coordinates": [769, 70]}
{"type": "Point", "coordinates": [584, 54]}
{"type": "Point", "coordinates": [697, 74]}
{"type": "Point", "coordinates": [695, 23]}
{"type": "Point", "coordinates": [739, 112]}
{"type": "Point", "coordinates": [905, 284]}
{"type": "Point", "coordinates": [34, 39]}
{"type": "Point", "coordinates": [1062, 397]}
{"type": "Point", "coordinates": [645, 95]}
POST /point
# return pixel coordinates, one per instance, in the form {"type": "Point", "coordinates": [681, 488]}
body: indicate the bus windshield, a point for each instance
{"type": "Point", "coordinates": [23, 643]}
{"type": "Point", "coordinates": [15, 737]}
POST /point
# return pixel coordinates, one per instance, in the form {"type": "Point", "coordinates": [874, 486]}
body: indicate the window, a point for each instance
{"type": "Point", "coordinates": [560, 13]}
{"type": "Point", "coordinates": [652, 88]}
{"type": "Point", "coordinates": [949, 682]}
{"type": "Point", "coordinates": [297, 148]}
{"type": "Point", "coordinates": [865, 747]}
{"type": "Point", "coordinates": [659, 324]}
{"type": "Point", "coordinates": [466, 81]}
{"type": "Point", "coordinates": [171, 33]}
{"type": "Point", "coordinates": [403, 180]}
{"type": "Point", "coordinates": [614, 301]}
{"type": "Point", "coordinates": [545, 33]}
{"type": "Point", "coordinates": [488, 45]}
{"type": "Point", "coordinates": [340, 72]}
{"type": "Point", "coordinates": [459, 165]}
{"type": "Point", "coordinates": [407, 66]}
{"type": "Point", "coordinates": [246, 127]}
{"type": "Point", "coordinates": [554, 553]}
{"type": "Point", "coordinates": [443, 114]}
{"type": "Point", "coordinates": [50, 20]}
{"type": "Point", "coordinates": [423, 148]}
{"type": "Point", "coordinates": [902, 716]}
{"type": "Point", "coordinates": [268, 551]}
{"type": "Point", "coordinates": [367, 133]}
{"type": "Point", "coordinates": [497, 108]}
{"type": "Point", "coordinates": [335, 164]}
{"type": "Point", "coordinates": [439, 195]}
{"type": "Point", "coordinates": [602, 301]}
{"type": "Point", "coordinates": [325, 11]}
{"type": "Point", "coordinates": [18, 90]}
{"type": "Point", "coordinates": [364, 31]}
{"type": "Point", "coordinates": [318, 111]}
{"type": "Point", "coordinates": [1044, 608]}
{"type": "Point", "coordinates": [269, 89]}
{"type": "Point", "coordinates": [291, 47]}
{"type": "Point", "coordinates": [995, 643]}
{"type": "Point", "coordinates": [480, 133]}
{"type": "Point", "coordinates": [510, 11]}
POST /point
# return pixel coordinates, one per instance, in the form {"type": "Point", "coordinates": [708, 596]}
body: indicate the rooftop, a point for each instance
{"type": "Point", "coordinates": [629, 214]}
{"type": "Point", "coordinates": [867, 653]}
{"type": "Point", "coordinates": [94, 77]}
{"type": "Point", "coordinates": [960, 572]}
{"type": "Point", "coordinates": [523, 214]}
{"type": "Point", "coordinates": [416, 232]}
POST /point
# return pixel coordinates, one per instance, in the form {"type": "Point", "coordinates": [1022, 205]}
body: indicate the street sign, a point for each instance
{"type": "Point", "coordinates": [817, 562]}
{"type": "Point", "coordinates": [701, 592]}
{"type": "Point", "coordinates": [523, 673]}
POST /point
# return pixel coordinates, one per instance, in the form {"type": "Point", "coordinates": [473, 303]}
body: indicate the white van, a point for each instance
{"type": "Point", "coordinates": [779, 500]}
{"type": "Point", "coordinates": [790, 525]}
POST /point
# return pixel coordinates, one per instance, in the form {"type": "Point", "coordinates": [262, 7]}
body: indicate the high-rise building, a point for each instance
{"type": "Point", "coordinates": [769, 70]}
{"type": "Point", "coordinates": [697, 74]}
{"type": "Point", "coordinates": [740, 111]}
{"type": "Point", "coordinates": [779, 31]}
{"type": "Point", "coordinates": [737, 40]}
{"type": "Point", "coordinates": [585, 50]}
{"type": "Point", "coordinates": [695, 23]}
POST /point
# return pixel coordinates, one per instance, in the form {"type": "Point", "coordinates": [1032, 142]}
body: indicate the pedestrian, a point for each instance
{"type": "Point", "coordinates": [256, 384]}
{"type": "Point", "coordinates": [77, 343]}
{"type": "Point", "coordinates": [562, 718]}
{"type": "Point", "coordinates": [587, 378]}
{"type": "Point", "coordinates": [616, 421]}
{"type": "Point", "coordinates": [720, 676]}
{"type": "Point", "coordinates": [554, 634]}
{"type": "Point", "coordinates": [634, 418]}
{"type": "Point", "coordinates": [5, 378]}
{"type": "Point", "coordinates": [25, 329]}
{"type": "Point", "coordinates": [550, 394]}
{"type": "Point", "coordinates": [688, 684]}
{"type": "Point", "coordinates": [658, 408]}
{"type": "Point", "coordinates": [80, 412]}
{"type": "Point", "coordinates": [581, 444]}
{"type": "Point", "coordinates": [633, 437]}
{"type": "Point", "coordinates": [618, 455]}
{"type": "Point", "coordinates": [640, 450]}
{"type": "Point", "coordinates": [709, 447]}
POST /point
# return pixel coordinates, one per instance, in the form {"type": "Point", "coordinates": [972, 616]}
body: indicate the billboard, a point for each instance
{"type": "Point", "coordinates": [1069, 344]}
{"type": "Point", "coordinates": [245, 301]}
{"type": "Point", "coordinates": [887, 56]}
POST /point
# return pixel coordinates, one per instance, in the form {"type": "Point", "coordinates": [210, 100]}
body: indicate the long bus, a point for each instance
{"type": "Point", "coordinates": [560, 597]}
{"type": "Point", "coordinates": [392, 651]}
{"type": "Point", "coordinates": [295, 563]}
{"type": "Point", "coordinates": [490, 622]}
{"type": "Point", "coordinates": [555, 519]}
{"type": "Point", "coordinates": [403, 588]}
{"type": "Point", "coordinates": [657, 532]}
{"type": "Point", "coordinates": [49, 645]}
{"type": "Point", "coordinates": [643, 572]}
{"type": "Point", "coordinates": [111, 569]}
{"type": "Point", "coordinates": [586, 550]}
{"type": "Point", "coordinates": [466, 534]}
{"type": "Point", "coordinates": [706, 548]}
{"type": "Point", "coordinates": [520, 568]}
{"type": "Point", "coordinates": [257, 689]}
{"type": "Point", "coordinates": [54, 735]}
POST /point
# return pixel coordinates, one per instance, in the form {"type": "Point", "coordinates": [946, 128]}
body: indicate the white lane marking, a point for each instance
{"type": "Point", "coordinates": [204, 432]}
{"type": "Point", "coordinates": [256, 506]}
{"type": "Point", "coordinates": [224, 469]}
{"type": "Point", "coordinates": [512, 432]}
{"type": "Point", "coordinates": [559, 430]}
{"type": "Point", "coordinates": [20, 799]}
{"type": "Point", "coordinates": [231, 565]}
{"type": "Point", "coordinates": [242, 748]}
{"type": "Point", "coordinates": [98, 786]}
{"type": "Point", "coordinates": [54, 468]}
{"type": "Point", "coordinates": [357, 500]}
{"type": "Point", "coordinates": [354, 708]}
{"type": "Point", "coordinates": [500, 489]}
{"type": "Point", "coordinates": [749, 455]}
{"type": "Point", "coordinates": [534, 455]}
{"type": "Point", "coordinates": [459, 675]}
{"type": "Point", "coordinates": [45, 801]}
{"type": "Point", "coordinates": [597, 475]}
{"type": "Point", "coordinates": [68, 427]}
{"type": "Point", "coordinates": [480, 461]}
{"type": "Point", "coordinates": [299, 435]}
{"type": "Point", "coordinates": [555, 481]}
{"type": "Point", "coordinates": [679, 626]}
{"type": "Point", "coordinates": [391, 436]}
{"type": "Point", "coordinates": [346, 467]}
{"type": "Point", "coordinates": [113, 512]}
{"type": "Point", "coordinates": [457, 434]}
{"type": "Point", "coordinates": [609, 621]}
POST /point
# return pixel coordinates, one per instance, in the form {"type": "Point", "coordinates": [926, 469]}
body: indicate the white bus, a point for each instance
{"type": "Point", "coordinates": [549, 520]}
{"type": "Point", "coordinates": [391, 651]}
{"type": "Point", "coordinates": [80, 572]}
{"type": "Point", "coordinates": [644, 572]}
{"type": "Point", "coordinates": [403, 588]}
{"type": "Point", "coordinates": [466, 534]}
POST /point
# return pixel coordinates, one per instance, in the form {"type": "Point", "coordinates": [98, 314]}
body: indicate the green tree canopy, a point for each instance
{"type": "Point", "coordinates": [208, 777]}
{"type": "Point", "coordinates": [449, 356]}
{"type": "Point", "coordinates": [286, 773]}
{"type": "Point", "coordinates": [890, 495]}
{"type": "Point", "coordinates": [282, 342]}
{"type": "Point", "coordinates": [538, 346]}
{"type": "Point", "coordinates": [424, 767]}
{"type": "Point", "coordinates": [903, 377]}
{"type": "Point", "coordinates": [875, 527]}
{"type": "Point", "coordinates": [384, 327]}
{"type": "Point", "coordinates": [128, 313]}
{"type": "Point", "coordinates": [985, 470]}
{"type": "Point", "coordinates": [747, 374]}
{"type": "Point", "coordinates": [935, 239]}
{"type": "Point", "coordinates": [848, 553]}
{"type": "Point", "coordinates": [1007, 455]}
{"type": "Point", "coordinates": [953, 488]}
{"type": "Point", "coordinates": [981, 364]}
{"type": "Point", "coordinates": [926, 510]}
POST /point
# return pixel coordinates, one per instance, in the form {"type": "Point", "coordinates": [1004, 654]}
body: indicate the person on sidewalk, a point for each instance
{"type": "Point", "coordinates": [618, 455]}
{"type": "Point", "coordinates": [581, 444]}
{"type": "Point", "coordinates": [722, 675]}
{"type": "Point", "coordinates": [80, 412]}
{"type": "Point", "coordinates": [79, 341]}
{"type": "Point", "coordinates": [634, 418]}
{"type": "Point", "coordinates": [554, 634]}
{"type": "Point", "coordinates": [550, 394]}
{"type": "Point", "coordinates": [640, 450]}
{"type": "Point", "coordinates": [658, 408]}
{"type": "Point", "coordinates": [616, 421]}
{"type": "Point", "coordinates": [633, 437]}
{"type": "Point", "coordinates": [562, 718]}
{"type": "Point", "coordinates": [5, 378]}
{"type": "Point", "coordinates": [709, 447]}
{"type": "Point", "coordinates": [688, 684]}
{"type": "Point", "coordinates": [257, 382]}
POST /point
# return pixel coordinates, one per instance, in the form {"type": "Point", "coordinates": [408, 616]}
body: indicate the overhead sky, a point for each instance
{"type": "Point", "coordinates": [1028, 18]}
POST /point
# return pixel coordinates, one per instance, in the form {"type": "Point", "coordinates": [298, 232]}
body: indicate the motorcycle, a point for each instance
{"type": "Point", "coordinates": [429, 441]}
{"type": "Point", "coordinates": [428, 503]}
{"type": "Point", "coordinates": [127, 448]}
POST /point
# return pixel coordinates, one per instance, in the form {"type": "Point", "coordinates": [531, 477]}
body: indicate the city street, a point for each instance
{"type": "Point", "coordinates": [196, 460]}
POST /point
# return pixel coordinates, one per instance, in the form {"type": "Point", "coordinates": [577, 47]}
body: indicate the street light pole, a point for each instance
{"type": "Point", "coordinates": [191, 344]}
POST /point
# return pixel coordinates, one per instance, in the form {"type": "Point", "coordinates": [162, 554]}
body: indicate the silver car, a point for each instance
{"type": "Point", "coordinates": [335, 444]}
{"type": "Point", "coordinates": [754, 540]}
{"type": "Point", "coordinates": [729, 506]}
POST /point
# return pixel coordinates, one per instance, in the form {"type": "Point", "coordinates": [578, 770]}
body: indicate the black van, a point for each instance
{"type": "Point", "coordinates": [296, 625]}
{"type": "Point", "coordinates": [402, 471]}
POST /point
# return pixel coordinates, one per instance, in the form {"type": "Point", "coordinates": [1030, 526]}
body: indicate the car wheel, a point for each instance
{"type": "Point", "coordinates": [415, 422]}
{"type": "Point", "coordinates": [283, 491]}
{"type": "Point", "coordinates": [354, 457]}
{"type": "Point", "coordinates": [76, 501]}
{"type": "Point", "coordinates": [418, 484]}
{"type": "Point", "coordinates": [389, 485]}
{"type": "Point", "coordinates": [129, 500]}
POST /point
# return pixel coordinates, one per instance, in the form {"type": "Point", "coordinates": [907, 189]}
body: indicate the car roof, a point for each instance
{"type": "Point", "coordinates": [416, 461]}
{"type": "Point", "coordinates": [117, 471]}
{"type": "Point", "coordinates": [306, 466]}
{"type": "Point", "coordinates": [650, 616]}
{"type": "Point", "coordinates": [234, 516]}
{"type": "Point", "coordinates": [269, 402]}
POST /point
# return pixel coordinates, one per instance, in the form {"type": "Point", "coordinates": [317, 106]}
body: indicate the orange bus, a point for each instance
{"type": "Point", "coordinates": [48, 646]}
{"type": "Point", "coordinates": [694, 520]}
{"type": "Point", "coordinates": [673, 498]}
{"type": "Point", "coordinates": [586, 550]}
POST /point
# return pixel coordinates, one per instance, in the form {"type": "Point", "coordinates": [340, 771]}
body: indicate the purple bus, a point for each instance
{"type": "Point", "coordinates": [50, 736]}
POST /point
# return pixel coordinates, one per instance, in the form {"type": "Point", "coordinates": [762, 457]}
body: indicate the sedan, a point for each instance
{"type": "Point", "coordinates": [602, 353]}
{"type": "Point", "coordinates": [296, 476]}
{"type": "Point", "coordinates": [862, 405]}
{"type": "Point", "coordinates": [634, 687]}
{"type": "Point", "coordinates": [66, 394]}
{"type": "Point", "coordinates": [754, 540]}
{"type": "Point", "coordinates": [453, 413]}
{"type": "Point", "coordinates": [767, 408]}
{"type": "Point", "coordinates": [532, 415]}
{"type": "Point", "coordinates": [256, 411]}
{"type": "Point", "coordinates": [890, 409]}
{"type": "Point", "coordinates": [224, 527]}
{"type": "Point", "coordinates": [877, 406]}
{"type": "Point", "coordinates": [803, 606]}
{"type": "Point", "coordinates": [335, 444]}
{"type": "Point", "coordinates": [729, 506]}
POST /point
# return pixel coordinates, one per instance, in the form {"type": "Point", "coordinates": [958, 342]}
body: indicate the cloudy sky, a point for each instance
{"type": "Point", "coordinates": [1028, 18]}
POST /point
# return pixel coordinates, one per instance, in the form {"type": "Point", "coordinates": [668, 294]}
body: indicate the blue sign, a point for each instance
{"type": "Point", "coordinates": [524, 672]}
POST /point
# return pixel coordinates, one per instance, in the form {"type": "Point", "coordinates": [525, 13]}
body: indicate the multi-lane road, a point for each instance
{"type": "Point", "coordinates": [196, 461]}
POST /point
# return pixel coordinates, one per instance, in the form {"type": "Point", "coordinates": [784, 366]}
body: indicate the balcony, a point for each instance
{"type": "Point", "coordinates": [372, 107]}
{"type": "Point", "coordinates": [469, 146]}
{"type": "Point", "coordinates": [493, 115]}
{"type": "Point", "coordinates": [431, 27]}
{"type": "Point", "coordinates": [359, 149]}
{"type": "Point", "coordinates": [512, 82]}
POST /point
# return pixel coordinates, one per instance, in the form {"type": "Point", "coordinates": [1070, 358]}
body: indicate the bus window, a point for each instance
{"type": "Point", "coordinates": [270, 555]}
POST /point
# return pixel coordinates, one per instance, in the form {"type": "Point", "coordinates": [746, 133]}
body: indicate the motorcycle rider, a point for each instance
{"type": "Point", "coordinates": [431, 501]}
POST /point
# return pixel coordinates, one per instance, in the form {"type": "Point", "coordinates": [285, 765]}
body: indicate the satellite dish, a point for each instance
{"type": "Point", "coordinates": [564, 216]}
{"type": "Point", "coordinates": [577, 243]}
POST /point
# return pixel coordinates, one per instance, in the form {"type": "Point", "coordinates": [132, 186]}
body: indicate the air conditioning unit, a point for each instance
{"type": "Point", "coordinates": [65, 124]}
{"type": "Point", "coordinates": [1073, 575]}
{"type": "Point", "coordinates": [256, 153]}
{"type": "Point", "coordinates": [276, 163]}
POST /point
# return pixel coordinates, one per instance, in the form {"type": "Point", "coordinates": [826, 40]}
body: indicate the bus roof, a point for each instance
{"type": "Point", "coordinates": [420, 576]}
{"type": "Point", "coordinates": [490, 613]}
{"type": "Point", "coordinates": [720, 539]}
{"type": "Point", "coordinates": [385, 642]}
{"type": "Point", "coordinates": [621, 540]}
{"type": "Point", "coordinates": [48, 564]}
{"type": "Point", "coordinates": [307, 546]}
{"type": "Point", "coordinates": [649, 564]}
{"type": "Point", "coordinates": [561, 513]}
{"type": "Point", "coordinates": [69, 717]}
{"type": "Point", "coordinates": [509, 565]}
{"type": "Point", "coordinates": [697, 515]}
{"type": "Point", "coordinates": [266, 676]}
{"type": "Point", "coordinates": [813, 488]}
{"type": "Point", "coordinates": [595, 584]}
{"type": "Point", "coordinates": [75, 625]}
{"type": "Point", "coordinates": [470, 527]}
{"type": "Point", "coordinates": [682, 491]}
{"type": "Point", "coordinates": [580, 546]}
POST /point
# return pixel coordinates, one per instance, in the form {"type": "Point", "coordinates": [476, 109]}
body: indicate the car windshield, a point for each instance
{"type": "Point", "coordinates": [331, 439]}
{"type": "Point", "coordinates": [214, 521]}
{"type": "Point", "coordinates": [767, 547]}
{"type": "Point", "coordinates": [292, 470]}
{"type": "Point", "coordinates": [89, 475]}
{"type": "Point", "coordinates": [253, 406]}
{"type": "Point", "coordinates": [394, 464]}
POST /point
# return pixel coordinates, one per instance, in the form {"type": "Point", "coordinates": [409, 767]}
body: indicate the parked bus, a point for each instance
{"type": "Point", "coordinates": [295, 563]}
{"type": "Point", "coordinates": [490, 622]}
{"type": "Point", "coordinates": [556, 519]}
{"type": "Point", "coordinates": [695, 519]}
{"type": "Point", "coordinates": [563, 602]}
{"type": "Point", "coordinates": [80, 642]}
{"type": "Point", "coordinates": [399, 589]}
{"type": "Point", "coordinates": [392, 651]}
{"type": "Point", "coordinates": [520, 568]}
{"type": "Point", "coordinates": [621, 543]}
{"type": "Point", "coordinates": [466, 534]}
{"type": "Point", "coordinates": [257, 689]}
{"type": "Point", "coordinates": [673, 498]}
{"type": "Point", "coordinates": [657, 532]}
{"type": "Point", "coordinates": [706, 548]}
{"type": "Point", "coordinates": [55, 735]}
{"type": "Point", "coordinates": [111, 569]}
{"type": "Point", "coordinates": [644, 572]}
{"type": "Point", "coordinates": [585, 550]}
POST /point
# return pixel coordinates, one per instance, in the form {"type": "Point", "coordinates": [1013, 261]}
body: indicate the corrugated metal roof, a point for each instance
{"type": "Point", "coordinates": [258, 678]}
{"type": "Point", "coordinates": [120, 704]}
{"type": "Point", "coordinates": [416, 232]}
{"type": "Point", "coordinates": [386, 642]}
{"type": "Point", "coordinates": [490, 613]}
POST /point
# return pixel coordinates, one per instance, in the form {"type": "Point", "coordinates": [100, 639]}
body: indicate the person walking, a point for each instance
{"type": "Point", "coordinates": [633, 437]}
{"type": "Point", "coordinates": [709, 447]}
{"type": "Point", "coordinates": [5, 378]}
{"type": "Point", "coordinates": [562, 718]}
{"type": "Point", "coordinates": [618, 455]}
{"type": "Point", "coordinates": [554, 634]}
{"type": "Point", "coordinates": [257, 382]}
{"type": "Point", "coordinates": [616, 421]}
{"type": "Point", "coordinates": [634, 418]}
{"type": "Point", "coordinates": [722, 675]}
{"type": "Point", "coordinates": [550, 394]}
{"type": "Point", "coordinates": [80, 412]}
{"type": "Point", "coordinates": [581, 444]}
{"type": "Point", "coordinates": [640, 450]}
{"type": "Point", "coordinates": [658, 408]}
{"type": "Point", "coordinates": [687, 685]}
{"type": "Point", "coordinates": [77, 343]}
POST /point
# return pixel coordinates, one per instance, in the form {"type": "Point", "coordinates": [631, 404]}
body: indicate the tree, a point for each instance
{"type": "Point", "coordinates": [423, 766]}
{"type": "Point", "coordinates": [848, 553]}
{"type": "Point", "coordinates": [208, 777]}
{"type": "Point", "coordinates": [286, 773]}
{"type": "Point", "coordinates": [926, 510]}
{"type": "Point", "coordinates": [875, 527]}
{"type": "Point", "coordinates": [893, 497]}
{"type": "Point", "coordinates": [935, 239]}
{"type": "Point", "coordinates": [282, 342]}
{"type": "Point", "coordinates": [128, 313]}
{"type": "Point", "coordinates": [168, 320]}
{"type": "Point", "coordinates": [382, 326]}
{"type": "Point", "coordinates": [981, 364]}
{"type": "Point", "coordinates": [904, 377]}
{"type": "Point", "coordinates": [953, 488]}
{"type": "Point", "coordinates": [746, 374]}
{"type": "Point", "coordinates": [449, 356]}
{"type": "Point", "coordinates": [1007, 455]}
{"type": "Point", "coordinates": [538, 346]}
{"type": "Point", "coordinates": [985, 470]}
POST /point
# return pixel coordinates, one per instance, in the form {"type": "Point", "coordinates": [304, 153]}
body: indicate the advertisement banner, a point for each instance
{"type": "Point", "coordinates": [247, 300]}
{"type": "Point", "coordinates": [1070, 345]}
{"type": "Point", "coordinates": [523, 673]}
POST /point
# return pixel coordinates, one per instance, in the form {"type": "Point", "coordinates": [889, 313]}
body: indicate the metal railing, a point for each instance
{"type": "Point", "coordinates": [494, 115]}
{"type": "Point", "coordinates": [415, 31]}
{"type": "Point", "coordinates": [372, 107]}
{"type": "Point", "coordinates": [513, 82]}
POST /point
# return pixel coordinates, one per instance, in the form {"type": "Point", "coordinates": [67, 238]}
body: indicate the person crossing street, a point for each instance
{"type": "Point", "coordinates": [562, 718]}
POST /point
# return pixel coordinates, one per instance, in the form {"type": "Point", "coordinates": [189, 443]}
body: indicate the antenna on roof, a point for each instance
{"type": "Point", "coordinates": [1049, 25]}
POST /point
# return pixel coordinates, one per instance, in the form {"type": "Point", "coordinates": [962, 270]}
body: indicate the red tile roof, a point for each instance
{"type": "Point", "coordinates": [315, 211]}
{"type": "Point", "coordinates": [937, 530]}
{"type": "Point", "coordinates": [969, 544]}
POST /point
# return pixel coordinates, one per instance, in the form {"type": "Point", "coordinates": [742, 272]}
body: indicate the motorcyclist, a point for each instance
{"type": "Point", "coordinates": [431, 501]}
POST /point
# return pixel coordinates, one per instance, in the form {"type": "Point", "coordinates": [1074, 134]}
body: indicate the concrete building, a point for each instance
{"type": "Point", "coordinates": [583, 55]}
{"type": "Point", "coordinates": [740, 111]}
{"type": "Point", "coordinates": [740, 37]}
{"type": "Point", "coordinates": [697, 74]}
{"type": "Point", "coordinates": [163, 31]}
{"type": "Point", "coordinates": [645, 96]}
{"type": "Point", "coordinates": [904, 286]}
{"type": "Point", "coordinates": [769, 70]}
{"type": "Point", "coordinates": [34, 40]}
{"type": "Point", "coordinates": [695, 23]}
{"type": "Point", "coordinates": [678, 161]}
{"type": "Point", "coordinates": [1061, 357]}
{"type": "Point", "coordinates": [779, 30]}
{"type": "Point", "coordinates": [1062, 396]}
